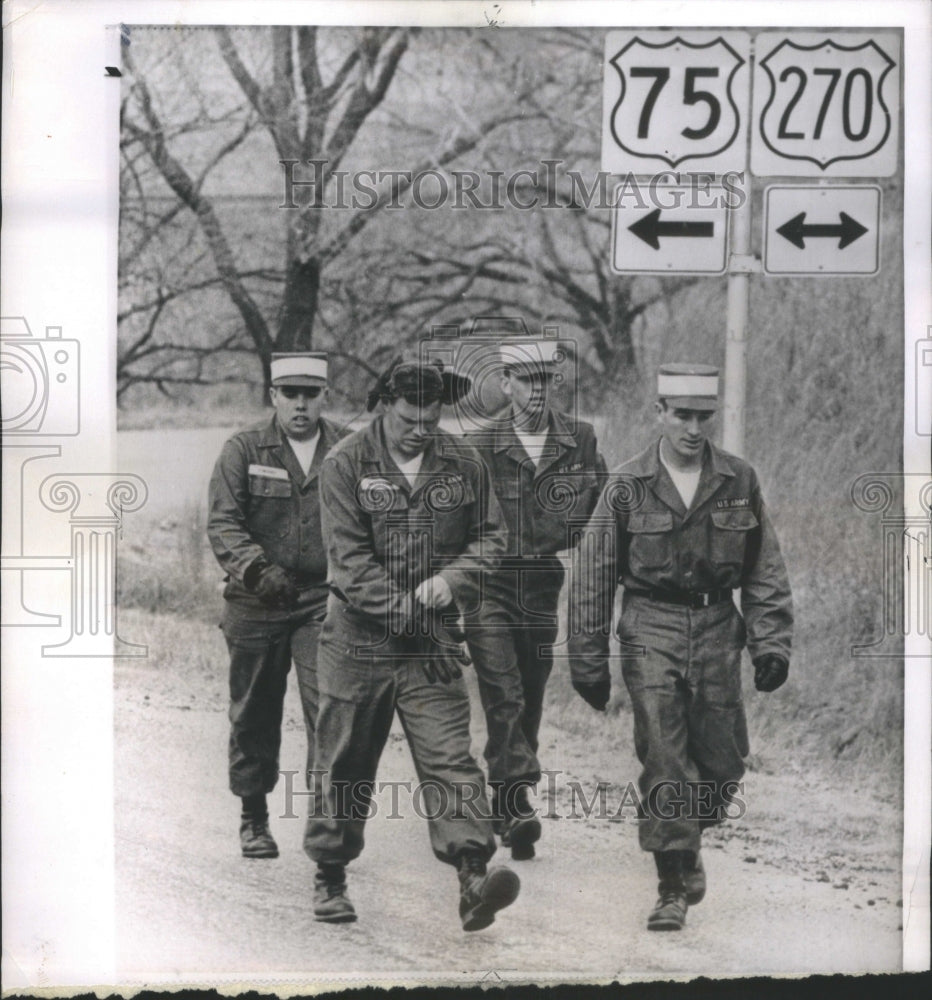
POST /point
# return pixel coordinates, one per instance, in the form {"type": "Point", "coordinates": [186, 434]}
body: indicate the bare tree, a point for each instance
{"type": "Point", "coordinates": [545, 256]}
{"type": "Point", "coordinates": [312, 114]}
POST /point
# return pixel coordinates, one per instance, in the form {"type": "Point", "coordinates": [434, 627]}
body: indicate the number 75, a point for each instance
{"type": "Point", "coordinates": [691, 95]}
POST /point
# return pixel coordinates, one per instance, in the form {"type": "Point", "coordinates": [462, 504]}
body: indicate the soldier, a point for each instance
{"type": "Point", "coordinates": [546, 470]}
{"type": "Point", "coordinates": [686, 526]}
{"type": "Point", "coordinates": [264, 528]}
{"type": "Point", "coordinates": [411, 522]}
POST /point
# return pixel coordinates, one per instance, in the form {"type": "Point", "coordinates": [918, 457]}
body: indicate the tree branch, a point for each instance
{"type": "Point", "coordinates": [184, 187]}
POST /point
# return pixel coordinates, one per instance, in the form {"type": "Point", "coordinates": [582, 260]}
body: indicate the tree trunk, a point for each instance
{"type": "Point", "coordinates": [302, 289]}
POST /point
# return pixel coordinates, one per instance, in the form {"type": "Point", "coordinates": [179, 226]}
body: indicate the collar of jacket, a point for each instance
{"type": "Point", "coordinates": [647, 465]}
{"type": "Point", "coordinates": [373, 451]}
{"type": "Point", "coordinates": [271, 435]}
{"type": "Point", "coordinates": [716, 467]}
{"type": "Point", "coordinates": [506, 436]}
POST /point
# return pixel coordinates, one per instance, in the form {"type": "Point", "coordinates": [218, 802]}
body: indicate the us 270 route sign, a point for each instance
{"type": "Point", "coordinates": [826, 104]}
{"type": "Point", "coordinates": [675, 101]}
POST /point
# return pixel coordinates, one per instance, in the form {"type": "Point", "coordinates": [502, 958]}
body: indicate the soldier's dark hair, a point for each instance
{"type": "Point", "coordinates": [417, 382]}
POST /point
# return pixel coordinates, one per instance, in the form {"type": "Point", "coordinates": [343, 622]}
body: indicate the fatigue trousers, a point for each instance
{"type": "Point", "coordinates": [262, 643]}
{"type": "Point", "coordinates": [491, 641]}
{"type": "Point", "coordinates": [682, 668]}
{"type": "Point", "coordinates": [526, 592]}
{"type": "Point", "coordinates": [364, 677]}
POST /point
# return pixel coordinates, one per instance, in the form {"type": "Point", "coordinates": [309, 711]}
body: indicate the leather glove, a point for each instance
{"type": "Point", "coordinates": [446, 657]}
{"type": "Point", "coordinates": [595, 694]}
{"type": "Point", "coordinates": [276, 589]}
{"type": "Point", "coordinates": [770, 671]}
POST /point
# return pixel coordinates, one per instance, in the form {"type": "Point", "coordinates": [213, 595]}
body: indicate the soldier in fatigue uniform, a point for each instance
{"type": "Point", "coordinates": [264, 528]}
{"type": "Point", "coordinates": [688, 527]}
{"type": "Point", "coordinates": [411, 524]}
{"type": "Point", "coordinates": [547, 472]}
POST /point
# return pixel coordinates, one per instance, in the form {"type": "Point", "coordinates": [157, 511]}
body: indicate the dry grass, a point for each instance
{"type": "Point", "coordinates": [167, 567]}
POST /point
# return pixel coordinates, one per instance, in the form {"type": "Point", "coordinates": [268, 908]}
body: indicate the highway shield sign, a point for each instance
{"type": "Point", "coordinates": [826, 105]}
{"type": "Point", "coordinates": [675, 100]}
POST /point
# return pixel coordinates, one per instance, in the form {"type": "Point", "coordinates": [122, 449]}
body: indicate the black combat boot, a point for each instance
{"type": "Point", "coordinates": [482, 893]}
{"type": "Point", "coordinates": [331, 904]}
{"type": "Point", "coordinates": [520, 828]}
{"type": "Point", "coordinates": [693, 877]}
{"type": "Point", "coordinates": [669, 912]}
{"type": "Point", "coordinates": [255, 838]}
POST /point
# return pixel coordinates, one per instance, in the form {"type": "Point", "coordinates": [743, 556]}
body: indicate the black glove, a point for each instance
{"type": "Point", "coordinates": [595, 694]}
{"type": "Point", "coordinates": [275, 588]}
{"type": "Point", "coordinates": [770, 671]}
{"type": "Point", "coordinates": [445, 656]}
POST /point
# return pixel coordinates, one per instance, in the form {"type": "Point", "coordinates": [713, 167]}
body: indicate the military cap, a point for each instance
{"type": "Point", "coordinates": [688, 386]}
{"type": "Point", "coordinates": [299, 368]}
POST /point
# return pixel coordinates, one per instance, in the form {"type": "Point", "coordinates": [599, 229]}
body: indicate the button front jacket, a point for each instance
{"type": "Point", "coordinates": [384, 536]}
{"type": "Point", "coordinates": [263, 509]}
{"type": "Point", "coordinates": [641, 536]}
{"type": "Point", "coordinates": [543, 503]}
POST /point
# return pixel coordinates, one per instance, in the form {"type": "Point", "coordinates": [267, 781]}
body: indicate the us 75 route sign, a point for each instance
{"type": "Point", "coordinates": [826, 104]}
{"type": "Point", "coordinates": [675, 101]}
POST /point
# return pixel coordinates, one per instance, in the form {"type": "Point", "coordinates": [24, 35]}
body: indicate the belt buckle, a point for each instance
{"type": "Point", "coordinates": [704, 600]}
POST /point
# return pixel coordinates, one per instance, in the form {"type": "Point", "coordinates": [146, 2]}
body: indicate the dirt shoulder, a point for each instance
{"type": "Point", "coordinates": [807, 881]}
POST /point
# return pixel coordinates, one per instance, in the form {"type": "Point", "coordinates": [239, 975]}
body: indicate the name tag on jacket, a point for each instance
{"type": "Point", "coordinates": [267, 472]}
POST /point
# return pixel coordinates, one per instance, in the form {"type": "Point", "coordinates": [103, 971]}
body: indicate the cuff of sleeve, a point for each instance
{"type": "Point", "coordinates": [758, 652]}
{"type": "Point", "coordinates": [253, 572]}
{"type": "Point", "coordinates": [779, 657]}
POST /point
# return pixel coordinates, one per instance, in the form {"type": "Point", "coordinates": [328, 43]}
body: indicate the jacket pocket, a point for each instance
{"type": "Point", "coordinates": [566, 494]}
{"type": "Point", "coordinates": [270, 512]}
{"type": "Point", "coordinates": [265, 486]}
{"type": "Point", "coordinates": [651, 544]}
{"type": "Point", "coordinates": [454, 512]}
{"type": "Point", "coordinates": [729, 536]}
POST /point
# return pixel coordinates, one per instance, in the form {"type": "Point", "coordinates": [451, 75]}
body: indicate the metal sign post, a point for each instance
{"type": "Point", "coordinates": [736, 346]}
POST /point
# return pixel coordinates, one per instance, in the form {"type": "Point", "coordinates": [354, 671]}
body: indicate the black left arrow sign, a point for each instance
{"type": "Point", "coordinates": [650, 229]}
{"type": "Point", "coordinates": [847, 230]}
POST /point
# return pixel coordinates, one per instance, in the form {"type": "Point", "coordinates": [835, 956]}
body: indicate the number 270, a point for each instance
{"type": "Point", "coordinates": [661, 74]}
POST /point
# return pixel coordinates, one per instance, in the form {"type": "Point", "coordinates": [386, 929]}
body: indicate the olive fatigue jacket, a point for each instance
{"type": "Point", "coordinates": [642, 537]}
{"type": "Point", "coordinates": [384, 537]}
{"type": "Point", "coordinates": [543, 505]}
{"type": "Point", "coordinates": [263, 509]}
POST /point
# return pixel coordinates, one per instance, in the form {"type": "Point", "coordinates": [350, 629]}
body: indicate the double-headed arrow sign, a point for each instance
{"type": "Point", "coordinates": [844, 240]}
{"type": "Point", "coordinates": [796, 230]}
{"type": "Point", "coordinates": [650, 229]}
